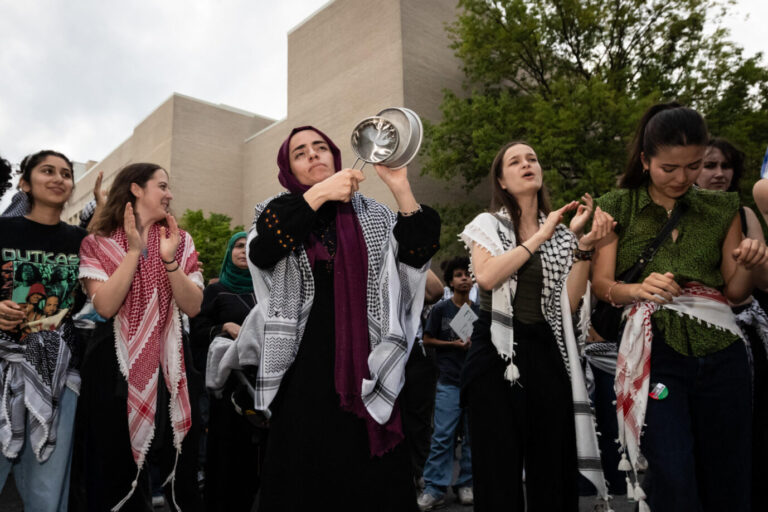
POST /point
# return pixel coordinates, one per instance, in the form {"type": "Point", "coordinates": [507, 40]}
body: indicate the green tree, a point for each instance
{"type": "Point", "coordinates": [453, 218]}
{"type": "Point", "coordinates": [211, 236]}
{"type": "Point", "coordinates": [573, 77]}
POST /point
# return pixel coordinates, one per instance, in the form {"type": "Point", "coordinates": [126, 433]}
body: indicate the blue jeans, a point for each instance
{"type": "Point", "coordinates": [44, 487]}
{"type": "Point", "coordinates": [698, 439]}
{"type": "Point", "coordinates": [438, 471]}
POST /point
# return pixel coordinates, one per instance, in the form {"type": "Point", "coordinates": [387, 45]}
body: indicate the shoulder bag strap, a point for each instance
{"type": "Point", "coordinates": [649, 252]}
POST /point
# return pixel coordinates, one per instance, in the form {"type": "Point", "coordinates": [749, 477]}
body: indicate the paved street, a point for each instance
{"type": "Point", "coordinates": [10, 502]}
{"type": "Point", "coordinates": [620, 504]}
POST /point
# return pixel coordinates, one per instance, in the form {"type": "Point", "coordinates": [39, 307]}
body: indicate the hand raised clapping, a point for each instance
{"type": "Point", "coordinates": [131, 231]}
{"type": "Point", "coordinates": [583, 213]}
{"type": "Point", "coordinates": [602, 226]}
{"type": "Point", "coordinates": [170, 238]}
{"type": "Point", "coordinates": [554, 218]}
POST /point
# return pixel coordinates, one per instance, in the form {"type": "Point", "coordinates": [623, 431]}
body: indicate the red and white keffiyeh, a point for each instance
{"type": "Point", "coordinates": [633, 367]}
{"type": "Point", "coordinates": [147, 331]}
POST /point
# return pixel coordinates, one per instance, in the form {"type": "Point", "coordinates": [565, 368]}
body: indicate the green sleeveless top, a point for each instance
{"type": "Point", "coordinates": [695, 255]}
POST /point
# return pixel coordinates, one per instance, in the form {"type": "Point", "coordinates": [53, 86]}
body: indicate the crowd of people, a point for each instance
{"type": "Point", "coordinates": [328, 364]}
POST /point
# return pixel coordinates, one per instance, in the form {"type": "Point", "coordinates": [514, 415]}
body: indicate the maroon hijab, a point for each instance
{"type": "Point", "coordinates": [350, 278]}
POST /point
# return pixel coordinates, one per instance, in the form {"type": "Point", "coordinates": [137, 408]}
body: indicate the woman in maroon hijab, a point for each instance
{"type": "Point", "coordinates": [342, 283]}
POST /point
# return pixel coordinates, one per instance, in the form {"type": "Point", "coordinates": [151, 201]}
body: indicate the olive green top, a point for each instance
{"type": "Point", "coordinates": [527, 301]}
{"type": "Point", "coordinates": [695, 255]}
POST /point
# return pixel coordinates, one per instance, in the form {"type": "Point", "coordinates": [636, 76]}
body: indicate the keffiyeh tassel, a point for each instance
{"type": "Point", "coordinates": [512, 373]}
{"type": "Point", "coordinates": [633, 367]}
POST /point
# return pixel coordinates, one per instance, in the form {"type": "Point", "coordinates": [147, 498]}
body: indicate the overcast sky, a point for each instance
{"type": "Point", "coordinates": [79, 75]}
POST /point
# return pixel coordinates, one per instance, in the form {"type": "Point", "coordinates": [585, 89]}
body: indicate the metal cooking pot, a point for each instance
{"type": "Point", "coordinates": [391, 138]}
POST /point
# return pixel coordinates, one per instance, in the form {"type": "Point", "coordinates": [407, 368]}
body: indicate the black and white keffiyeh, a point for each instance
{"type": "Point", "coordinates": [495, 233]}
{"type": "Point", "coordinates": [754, 316]}
{"type": "Point", "coordinates": [272, 332]}
{"type": "Point", "coordinates": [33, 375]}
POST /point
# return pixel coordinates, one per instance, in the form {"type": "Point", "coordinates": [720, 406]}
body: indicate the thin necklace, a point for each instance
{"type": "Point", "coordinates": [669, 211]}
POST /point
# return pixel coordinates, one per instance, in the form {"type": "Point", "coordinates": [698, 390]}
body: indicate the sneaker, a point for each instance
{"type": "Point", "coordinates": [466, 496]}
{"type": "Point", "coordinates": [428, 502]}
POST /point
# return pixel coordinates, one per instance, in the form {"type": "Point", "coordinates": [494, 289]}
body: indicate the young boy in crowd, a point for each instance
{"type": "Point", "coordinates": [450, 353]}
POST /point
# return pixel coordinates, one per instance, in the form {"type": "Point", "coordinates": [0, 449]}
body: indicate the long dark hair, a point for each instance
{"type": "Point", "coordinates": [501, 198]}
{"type": "Point", "coordinates": [733, 156]}
{"type": "Point", "coordinates": [112, 214]}
{"type": "Point", "coordinates": [33, 160]}
{"type": "Point", "coordinates": [662, 125]}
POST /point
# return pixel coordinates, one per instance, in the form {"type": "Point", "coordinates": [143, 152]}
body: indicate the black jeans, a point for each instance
{"type": "Point", "coordinates": [527, 424]}
{"type": "Point", "coordinates": [698, 439]}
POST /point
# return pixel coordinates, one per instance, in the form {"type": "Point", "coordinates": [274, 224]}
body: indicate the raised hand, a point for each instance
{"type": "Point", "coordinates": [547, 229]}
{"type": "Point", "coordinates": [98, 193]}
{"type": "Point", "coordinates": [338, 187]}
{"type": "Point", "coordinates": [392, 177]}
{"type": "Point", "coordinates": [131, 232]}
{"type": "Point", "coordinates": [169, 239]}
{"type": "Point", "coordinates": [659, 288]}
{"type": "Point", "coordinates": [397, 182]}
{"type": "Point", "coordinates": [750, 253]}
{"type": "Point", "coordinates": [583, 212]}
{"type": "Point", "coordinates": [602, 226]}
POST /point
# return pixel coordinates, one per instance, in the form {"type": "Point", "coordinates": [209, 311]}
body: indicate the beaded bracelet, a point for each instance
{"type": "Point", "coordinates": [610, 298]}
{"type": "Point", "coordinates": [580, 255]}
{"type": "Point", "coordinates": [414, 212]}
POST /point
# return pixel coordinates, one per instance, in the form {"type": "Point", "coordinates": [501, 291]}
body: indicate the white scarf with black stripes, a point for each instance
{"type": "Point", "coordinates": [33, 375]}
{"type": "Point", "coordinates": [271, 333]}
{"type": "Point", "coordinates": [755, 317]}
{"type": "Point", "coordinates": [495, 233]}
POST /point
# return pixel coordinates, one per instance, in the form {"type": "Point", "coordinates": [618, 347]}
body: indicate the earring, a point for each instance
{"type": "Point", "coordinates": [645, 170]}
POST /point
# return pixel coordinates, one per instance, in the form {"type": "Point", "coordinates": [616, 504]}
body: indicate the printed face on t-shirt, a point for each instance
{"type": "Point", "coordinates": [42, 283]}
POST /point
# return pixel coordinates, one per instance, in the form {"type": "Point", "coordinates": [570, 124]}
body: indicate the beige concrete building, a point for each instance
{"type": "Point", "coordinates": [347, 61]}
{"type": "Point", "coordinates": [199, 143]}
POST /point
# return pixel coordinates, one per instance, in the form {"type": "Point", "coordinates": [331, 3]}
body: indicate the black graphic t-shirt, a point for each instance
{"type": "Point", "coordinates": [38, 270]}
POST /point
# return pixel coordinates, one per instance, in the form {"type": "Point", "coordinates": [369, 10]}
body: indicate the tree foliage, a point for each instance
{"type": "Point", "coordinates": [453, 218]}
{"type": "Point", "coordinates": [572, 77]}
{"type": "Point", "coordinates": [210, 236]}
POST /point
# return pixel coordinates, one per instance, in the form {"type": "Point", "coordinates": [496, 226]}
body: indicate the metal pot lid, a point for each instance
{"type": "Point", "coordinates": [375, 139]}
{"type": "Point", "coordinates": [410, 130]}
